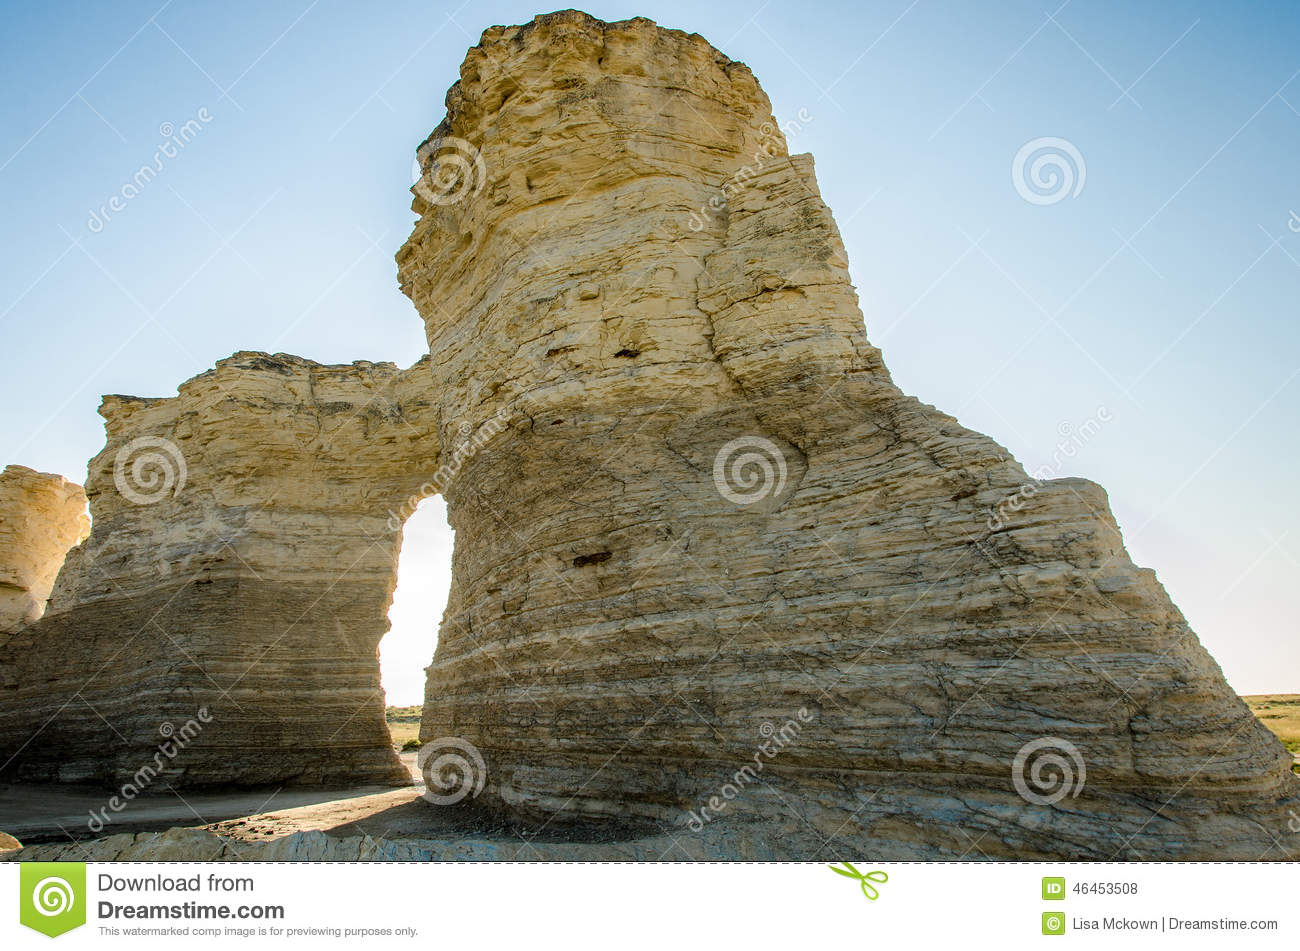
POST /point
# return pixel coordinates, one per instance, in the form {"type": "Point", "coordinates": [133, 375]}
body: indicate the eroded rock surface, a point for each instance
{"type": "Point", "coordinates": [41, 516]}
{"type": "Point", "coordinates": [854, 643]}
{"type": "Point", "coordinates": [240, 568]}
{"type": "Point", "coordinates": [202, 845]}
{"type": "Point", "coordinates": [719, 586]}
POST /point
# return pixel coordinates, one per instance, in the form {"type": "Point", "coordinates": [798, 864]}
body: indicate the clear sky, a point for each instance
{"type": "Point", "coordinates": [1164, 294]}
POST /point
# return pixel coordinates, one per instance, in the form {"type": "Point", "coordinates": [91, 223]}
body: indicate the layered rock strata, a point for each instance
{"type": "Point", "coordinates": [41, 516]}
{"type": "Point", "coordinates": [221, 622]}
{"type": "Point", "coordinates": [718, 572]}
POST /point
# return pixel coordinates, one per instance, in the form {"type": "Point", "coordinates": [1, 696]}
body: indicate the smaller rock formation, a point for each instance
{"type": "Point", "coordinates": [220, 624]}
{"type": "Point", "coordinates": [42, 515]}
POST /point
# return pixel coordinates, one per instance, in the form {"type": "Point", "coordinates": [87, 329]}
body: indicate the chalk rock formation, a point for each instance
{"type": "Point", "coordinates": [718, 570]}
{"type": "Point", "coordinates": [231, 596]}
{"type": "Point", "coordinates": [41, 517]}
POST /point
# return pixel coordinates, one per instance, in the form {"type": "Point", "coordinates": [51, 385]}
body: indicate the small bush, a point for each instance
{"type": "Point", "coordinates": [410, 745]}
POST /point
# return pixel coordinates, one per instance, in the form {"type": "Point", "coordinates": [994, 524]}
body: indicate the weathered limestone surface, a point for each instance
{"type": "Point", "coordinates": [41, 517]}
{"type": "Point", "coordinates": [244, 567]}
{"type": "Point", "coordinates": [622, 636]}
{"type": "Point", "coordinates": [720, 588]}
{"type": "Point", "coordinates": [202, 845]}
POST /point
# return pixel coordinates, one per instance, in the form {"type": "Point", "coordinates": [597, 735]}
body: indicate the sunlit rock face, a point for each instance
{"type": "Point", "coordinates": [227, 606]}
{"type": "Point", "coordinates": [714, 572]}
{"type": "Point", "coordinates": [42, 515]}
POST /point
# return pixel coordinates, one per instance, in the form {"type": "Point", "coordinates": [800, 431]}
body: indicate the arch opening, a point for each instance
{"type": "Point", "coordinates": [423, 584]}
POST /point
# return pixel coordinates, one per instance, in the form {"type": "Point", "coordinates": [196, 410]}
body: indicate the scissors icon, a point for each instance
{"type": "Point", "coordinates": [865, 881]}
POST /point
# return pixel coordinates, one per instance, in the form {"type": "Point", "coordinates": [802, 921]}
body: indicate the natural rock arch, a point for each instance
{"type": "Point", "coordinates": [628, 285]}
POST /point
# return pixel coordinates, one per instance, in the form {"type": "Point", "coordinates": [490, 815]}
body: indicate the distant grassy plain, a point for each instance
{"type": "Point", "coordinates": [1280, 712]}
{"type": "Point", "coordinates": [403, 724]}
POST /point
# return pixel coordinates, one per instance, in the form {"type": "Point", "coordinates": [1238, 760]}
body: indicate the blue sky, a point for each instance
{"type": "Point", "coordinates": [1162, 295]}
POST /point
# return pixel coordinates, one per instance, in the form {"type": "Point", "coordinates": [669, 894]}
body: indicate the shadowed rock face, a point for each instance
{"type": "Point", "coordinates": [41, 517]}
{"type": "Point", "coordinates": [240, 568]}
{"type": "Point", "coordinates": [717, 554]}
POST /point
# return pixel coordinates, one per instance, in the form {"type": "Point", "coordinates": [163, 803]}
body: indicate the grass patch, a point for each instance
{"type": "Point", "coordinates": [404, 725]}
{"type": "Point", "coordinates": [1280, 712]}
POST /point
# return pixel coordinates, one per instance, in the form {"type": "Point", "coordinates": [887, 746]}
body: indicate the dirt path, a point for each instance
{"type": "Point", "coordinates": [35, 813]}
